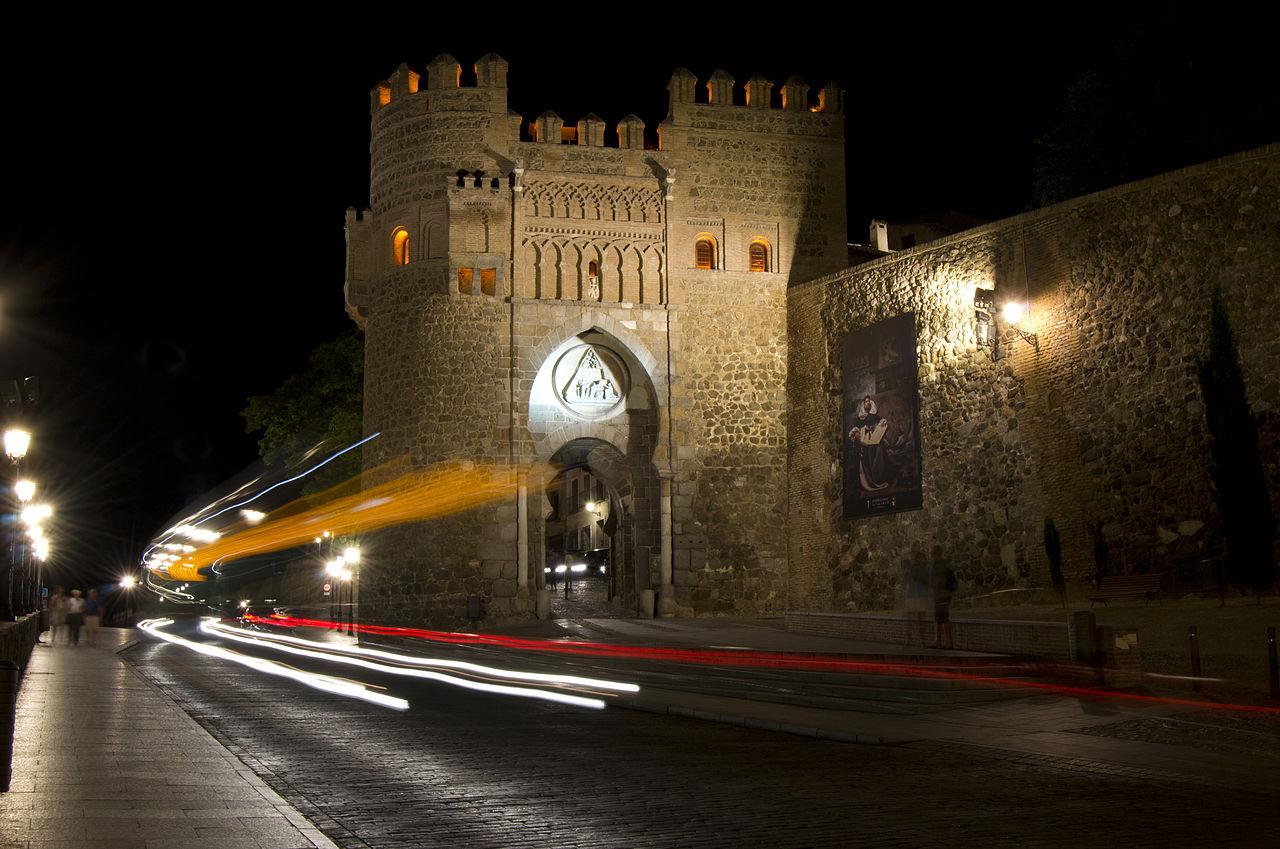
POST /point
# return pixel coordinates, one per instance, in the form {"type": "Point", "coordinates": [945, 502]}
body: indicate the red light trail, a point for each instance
{"type": "Point", "coordinates": [758, 659]}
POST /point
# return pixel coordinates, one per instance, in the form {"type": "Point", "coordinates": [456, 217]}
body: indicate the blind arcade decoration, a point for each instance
{"type": "Point", "coordinates": [880, 410]}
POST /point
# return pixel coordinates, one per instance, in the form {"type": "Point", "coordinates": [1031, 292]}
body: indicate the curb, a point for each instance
{"type": "Point", "coordinates": [744, 721]}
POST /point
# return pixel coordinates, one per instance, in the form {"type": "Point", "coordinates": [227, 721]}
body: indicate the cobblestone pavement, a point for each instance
{"type": "Point", "coordinates": [1257, 736]}
{"type": "Point", "coordinates": [588, 597]}
{"type": "Point", "coordinates": [461, 770]}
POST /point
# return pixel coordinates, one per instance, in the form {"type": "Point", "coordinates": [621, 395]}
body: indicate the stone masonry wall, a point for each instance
{"type": "Point", "coordinates": [729, 420]}
{"type": "Point", "coordinates": [1103, 429]}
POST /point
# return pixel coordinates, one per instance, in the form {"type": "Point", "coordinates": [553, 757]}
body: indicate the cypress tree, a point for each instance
{"type": "Point", "coordinates": [1235, 462]}
{"type": "Point", "coordinates": [1053, 551]}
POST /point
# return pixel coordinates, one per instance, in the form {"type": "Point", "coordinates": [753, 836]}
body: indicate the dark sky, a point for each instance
{"type": "Point", "coordinates": [172, 202]}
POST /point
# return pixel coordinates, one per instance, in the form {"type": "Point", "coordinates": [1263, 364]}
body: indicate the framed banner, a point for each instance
{"type": "Point", "coordinates": [880, 412]}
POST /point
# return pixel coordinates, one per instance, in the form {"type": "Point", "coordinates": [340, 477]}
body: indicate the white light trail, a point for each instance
{"type": "Point", "coordinates": [352, 655]}
{"type": "Point", "coordinates": [326, 683]}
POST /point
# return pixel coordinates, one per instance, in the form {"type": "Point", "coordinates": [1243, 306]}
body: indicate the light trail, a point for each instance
{"type": "Point", "coordinates": [767, 659]}
{"type": "Point", "coordinates": [414, 496]}
{"type": "Point", "coordinates": [214, 625]}
{"type": "Point", "coordinates": [192, 518]}
{"type": "Point", "coordinates": [328, 684]}
{"type": "Point", "coordinates": [327, 652]}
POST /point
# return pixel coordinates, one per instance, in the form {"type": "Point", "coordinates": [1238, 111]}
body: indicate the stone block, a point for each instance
{"type": "Point", "coordinates": [491, 569]}
{"type": "Point", "coordinates": [504, 588]}
{"type": "Point", "coordinates": [493, 549]}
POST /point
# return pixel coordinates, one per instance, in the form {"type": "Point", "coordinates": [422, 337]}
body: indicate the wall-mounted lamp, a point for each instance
{"type": "Point", "coordinates": [987, 329]}
{"type": "Point", "coordinates": [984, 324]}
{"type": "Point", "coordinates": [1014, 313]}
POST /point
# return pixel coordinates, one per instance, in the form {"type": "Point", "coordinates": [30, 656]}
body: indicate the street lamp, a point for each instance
{"type": "Point", "coordinates": [16, 443]}
{"type": "Point", "coordinates": [351, 557]}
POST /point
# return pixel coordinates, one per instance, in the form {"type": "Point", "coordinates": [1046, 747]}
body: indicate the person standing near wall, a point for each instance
{"type": "Point", "coordinates": [92, 617]}
{"type": "Point", "coordinates": [57, 614]}
{"type": "Point", "coordinates": [75, 616]}
{"type": "Point", "coordinates": [916, 596]}
{"type": "Point", "coordinates": [944, 588]}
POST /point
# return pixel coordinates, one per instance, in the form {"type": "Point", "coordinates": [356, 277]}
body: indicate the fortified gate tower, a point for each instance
{"type": "Point", "coordinates": [580, 299]}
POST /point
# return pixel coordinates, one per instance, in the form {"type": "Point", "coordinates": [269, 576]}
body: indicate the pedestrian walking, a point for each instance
{"type": "Point", "coordinates": [92, 617]}
{"type": "Point", "coordinates": [57, 614]}
{"type": "Point", "coordinates": [944, 588]}
{"type": "Point", "coordinates": [75, 616]}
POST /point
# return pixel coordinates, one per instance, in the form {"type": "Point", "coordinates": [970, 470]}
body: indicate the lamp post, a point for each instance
{"type": "Point", "coordinates": [16, 443]}
{"type": "Point", "coordinates": [25, 490]}
{"type": "Point", "coordinates": [334, 569]}
{"type": "Point", "coordinates": [351, 557]}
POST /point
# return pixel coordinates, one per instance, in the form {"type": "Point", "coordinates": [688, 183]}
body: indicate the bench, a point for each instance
{"type": "Point", "coordinates": [1127, 586]}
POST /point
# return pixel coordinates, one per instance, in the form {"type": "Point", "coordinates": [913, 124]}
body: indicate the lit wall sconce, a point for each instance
{"type": "Point", "coordinates": [1014, 313]}
{"type": "Point", "coordinates": [984, 324]}
{"type": "Point", "coordinates": [986, 327]}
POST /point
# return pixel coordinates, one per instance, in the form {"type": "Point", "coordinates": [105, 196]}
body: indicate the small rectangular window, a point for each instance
{"type": "Point", "coordinates": [488, 280]}
{"type": "Point", "coordinates": [465, 276]}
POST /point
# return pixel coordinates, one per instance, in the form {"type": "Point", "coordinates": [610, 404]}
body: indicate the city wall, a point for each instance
{"type": "Point", "coordinates": [1101, 429]}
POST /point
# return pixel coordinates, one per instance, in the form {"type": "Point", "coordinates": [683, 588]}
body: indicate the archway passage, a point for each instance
{"type": "Point", "coordinates": [590, 535]}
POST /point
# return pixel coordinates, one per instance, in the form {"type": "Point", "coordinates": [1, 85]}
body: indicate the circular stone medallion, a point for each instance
{"type": "Point", "coordinates": [590, 381]}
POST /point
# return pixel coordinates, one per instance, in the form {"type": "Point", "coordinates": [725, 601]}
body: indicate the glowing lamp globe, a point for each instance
{"type": "Point", "coordinates": [16, 443]}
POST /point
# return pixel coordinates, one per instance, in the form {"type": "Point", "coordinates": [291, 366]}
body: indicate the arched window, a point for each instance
{"type": "Point", "coordinates": [704, 253]}
{"type": "Point", "coordinates": [400, 246]}
{"type": "Point", "coordinates": [758, 254]}
{"type": "Point", "coordinates": [593, 269]}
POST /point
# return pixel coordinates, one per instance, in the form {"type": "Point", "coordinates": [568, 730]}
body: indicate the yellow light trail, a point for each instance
{"type": "Point", "coordinates": [409, 497]}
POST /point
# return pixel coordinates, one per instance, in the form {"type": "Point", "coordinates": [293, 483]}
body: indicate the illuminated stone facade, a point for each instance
{"type": "Point", "coordinates": [532, 293]}
{"type": "Point", "coordinates": [548, 307]}
{"type": "Point", "coordinates": [1102, 429]}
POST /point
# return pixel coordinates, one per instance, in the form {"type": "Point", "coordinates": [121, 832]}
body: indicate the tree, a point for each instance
{"type": "Point", "coordinates": [324, 403]}
{"type": "Point", "coordinates": [1172, 91]}
{"type": "Point", "coordinates": [1235, 462]}
{"type": "Point", "coordinates": [1053, 551]}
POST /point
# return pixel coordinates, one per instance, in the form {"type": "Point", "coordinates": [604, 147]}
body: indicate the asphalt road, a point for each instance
{"type": "Point", "coordinates": [461, 769]}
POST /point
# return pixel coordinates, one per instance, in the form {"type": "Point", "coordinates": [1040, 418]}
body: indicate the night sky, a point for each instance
{"type": "Point", "coordinates": [172, 201]}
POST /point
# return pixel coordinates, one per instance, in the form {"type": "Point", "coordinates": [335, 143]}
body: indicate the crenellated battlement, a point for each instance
{"type": "Point", "coordinates": [444, 75]}
{"type": "Point", "coordinates": [757, 93]}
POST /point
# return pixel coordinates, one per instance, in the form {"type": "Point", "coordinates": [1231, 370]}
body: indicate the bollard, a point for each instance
{"type": "Point", "coordinates": [1195, 658]}
{"type": "Point", "coordinates": [8, 706]}
{"type": "Point", "coordinates": [1273, 665]}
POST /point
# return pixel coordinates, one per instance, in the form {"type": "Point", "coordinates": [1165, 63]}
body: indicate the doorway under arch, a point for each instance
{"type": "Point", "coordinates": [601, 531]}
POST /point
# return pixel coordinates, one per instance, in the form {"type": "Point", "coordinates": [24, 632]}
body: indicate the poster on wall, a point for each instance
{"type": "Point", "coordinates": [880, 407]}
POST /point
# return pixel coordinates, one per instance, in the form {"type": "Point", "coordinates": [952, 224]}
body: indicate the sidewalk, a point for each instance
{"type": "Point", "coordinates": [104, 760]}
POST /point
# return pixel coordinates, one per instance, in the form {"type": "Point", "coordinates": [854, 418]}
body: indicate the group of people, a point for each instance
{"type": "Point", "coordinates": [69, 614]}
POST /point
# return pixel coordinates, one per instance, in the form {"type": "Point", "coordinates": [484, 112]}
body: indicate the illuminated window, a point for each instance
{"type": "Point", "coordinates": [488, 280]}
{"type": "Point", "coordinates": [704, 254]}
{"type": "Point", "coordinates": [758, 253]}
{"type": "Point", "coordinates": [400, 246]}
{"type": "Point", "coordinates": [465, 276]}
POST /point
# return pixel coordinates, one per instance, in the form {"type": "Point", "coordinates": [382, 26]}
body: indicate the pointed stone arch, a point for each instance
{"type": "Point", "coordinates": [531, 283]}
{"type": "Point", "coordinates": [632, 263]}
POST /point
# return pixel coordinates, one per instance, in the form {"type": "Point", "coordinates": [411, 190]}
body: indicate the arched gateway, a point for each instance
{"type": "Point", "coordinates": [594, 419]}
